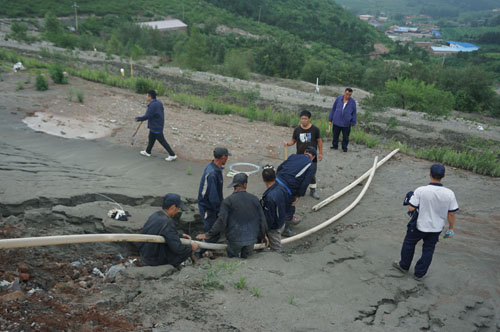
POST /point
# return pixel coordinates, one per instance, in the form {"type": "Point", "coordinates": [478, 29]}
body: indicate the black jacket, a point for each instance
{"type": "Point", "coordinates": [172, 251]}
{"type": "Point", "coordinates": [242, 219]}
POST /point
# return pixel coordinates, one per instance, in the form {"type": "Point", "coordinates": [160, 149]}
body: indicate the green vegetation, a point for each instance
{"type": "Point", "coordinates": [256, 292]}
{"type": "Point", "coordinates": [41, 83]}
{"type": "Point", "coordinates": [189, 170]}
{"type": "Point", "coordinates": [217, 274]}
{"type": "Point", "coordinates": [242, 284]}
{"type": "Point", "coordinates": [291, 300]}
{"type": "Point", "coordinates": [57, 74]}
{"type": "Point", "coordinates": [19, 85]}
{"type": "Point", "coordinates": [79, 95]}
{"type": "Point", "coordinates": [70, 94]}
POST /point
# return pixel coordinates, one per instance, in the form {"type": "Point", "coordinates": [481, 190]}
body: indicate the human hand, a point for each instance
{"type": "Point", "coordinates": [201, 237]}
{"type": "Point", "coordinates": [185, 236]}
{"type": "Point", "coordinates": [285, 144]}
{"type": "Point", "coordinates": [195, 246]}
{"type": "Point", "coordinates": [320, 157]}
{"type": "Point", "coordinates": [266, 241]}
{"type": "Point", "coordinates": [295, 202]}
{"type": "Point", "coordinates": [448, 233]}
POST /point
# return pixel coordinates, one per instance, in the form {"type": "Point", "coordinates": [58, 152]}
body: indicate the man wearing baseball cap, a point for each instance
{"type": "Point", "coordinates": [210, 194]}
{"type": "Point", "coordinates": [436, 205]}
{"type": "Point", "coordinates": [171, 252]}
{"type": "Point", "coordinates": [241, 218]}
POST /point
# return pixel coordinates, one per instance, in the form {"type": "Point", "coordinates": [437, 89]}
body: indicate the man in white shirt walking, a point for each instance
{"type": "Point", "coordinates": [435, 204]}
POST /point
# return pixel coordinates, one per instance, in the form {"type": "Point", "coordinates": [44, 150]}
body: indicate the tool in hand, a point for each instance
{"type": "Point", "coordinates": [132, 139]}
{"type": "Point", "coordinates": [448, 234]}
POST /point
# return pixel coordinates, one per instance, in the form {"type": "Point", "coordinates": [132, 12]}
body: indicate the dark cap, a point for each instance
{"type": "Point", "coordinates": [172, 199]}
{"type": "Point", "coordinates": [239, 179]}
{"type": "Point", "coordinates": [311, 150]}
{"type": "Point", "coordinates": [437, 171]}
{"type": "Point", "coordinates": [220, 151]}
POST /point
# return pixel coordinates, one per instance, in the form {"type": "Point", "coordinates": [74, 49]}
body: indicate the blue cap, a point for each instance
{"type": "Point", "coordinates": [172, 199]}
{"type": "Point", "coordinates": [437, 171]}
{"type": "Point", "coordinates": [311, 150]}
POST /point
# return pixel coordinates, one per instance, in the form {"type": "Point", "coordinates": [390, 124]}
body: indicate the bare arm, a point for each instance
{"type": "Point", "coordinates": [411, 208]}
{"type": "Point", "coordinates": [451, 220]}
{"type": "Point", "coordinates": [320, 146]}
{"type": "Point", "coordinates": [290, 142]}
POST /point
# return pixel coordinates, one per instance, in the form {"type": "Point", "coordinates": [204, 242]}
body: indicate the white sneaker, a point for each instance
{"type": "Point", "coordinates": [171, 158]}
{"type": "Point", "coordinates": [144, 153]}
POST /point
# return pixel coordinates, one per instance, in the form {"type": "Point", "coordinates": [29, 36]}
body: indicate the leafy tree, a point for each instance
{"type": "Point", "coordinates": [196, 50]}
{"type": "Point", "coordinates": [19, 31]}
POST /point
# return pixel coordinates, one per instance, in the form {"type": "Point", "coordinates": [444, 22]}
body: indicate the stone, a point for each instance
{"type": "Point", "coordinates": [113, 271]}
{"type": "Point", "coordinates": [23, 267]}
{"type": "Point", "coordinates": [12, 296]}
{"type": "Point", "coordinates": [24, 276]}
{"type": "Point", "coordinates": [4, 285]}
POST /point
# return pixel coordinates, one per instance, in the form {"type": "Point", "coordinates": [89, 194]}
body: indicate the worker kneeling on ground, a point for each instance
{"type": "Point", "coordinates": [274, 202]}
{"type": "Point", "coordinates": [241, 218]}
{"type": "Point", "coordinates": [171, 252]}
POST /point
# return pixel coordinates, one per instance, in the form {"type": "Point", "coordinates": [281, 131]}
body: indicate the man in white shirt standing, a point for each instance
{"type": "Point", "coordinates": [435, 204]}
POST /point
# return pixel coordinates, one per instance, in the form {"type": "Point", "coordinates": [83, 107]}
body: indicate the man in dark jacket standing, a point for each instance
{"type": "Point", "coordinates": [342, 117]}
{"type": "Point", "coordinates": [295, 174]}
{"type": "Point", "coordinates": [171, 252]}
{"type": "Point", "coordinates": [241, 218]}
{"type": "Point", "coordinates": [210, 194]}
{"type": "Point", "coordinates": [155, 116]}
{"type": "Point", "coordinates": [274, 202]}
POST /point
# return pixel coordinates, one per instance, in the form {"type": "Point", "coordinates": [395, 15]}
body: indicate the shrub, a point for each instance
{"type": "Point", "coordinates": [19, 85]}
{"type": "Point", "coordinates": [57, 74]}
{"type": "Point", "coordinates": [70, 94]}
{"type": "Point", "coordinates": [41, 83]}
{"type": "Point", "coordinates": [143, 85]}
{"type": "Point", "coordinates": [79, 95]}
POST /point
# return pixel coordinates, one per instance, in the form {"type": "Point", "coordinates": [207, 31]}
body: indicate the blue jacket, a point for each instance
{"type": "Point", "coordinates": [274, 201]}
{"type": "Point", "coordinates": [340, 116]}
{"type": "Point", "coordinates": [154, 115]}
{"type": "Point", "coordinates": [172, 251]}
{"type": "Point", "coordinates": [296, 173]}
{"type": "Point", "coordinates": [242, 219]}
{"type": "Point", "coordinates": [210, 194]}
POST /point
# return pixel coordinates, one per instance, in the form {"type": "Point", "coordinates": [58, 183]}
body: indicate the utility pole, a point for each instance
{"type": "Point", "coordinates": [260, 10]}
{"type": "Point", "coordinates": [76, 16]}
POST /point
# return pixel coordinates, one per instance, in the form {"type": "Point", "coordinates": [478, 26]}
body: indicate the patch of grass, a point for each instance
{"type": "Point", "coordinates": [217, 274]}
{"type": "Point", "coordinates": [70, 94]}
{"type": "Point", "coordinates": [189, 170]}
{"type": "Point", "coordinates": [392, 122]}
{"type": "Point", "coordinates": [19, 86]}
{"type": "Point", "coordinates": [361, 137]}
{"type": "Point", "coordinates": [242, 284]}
{"type": "Point", "coordinates": [256, 292]}
{"type": "Point", "coordinates": [404, 114]}
{"type": "Point", "coordinates": [79, 95]}
{"type": "Point", "coordinates": [291, 300]}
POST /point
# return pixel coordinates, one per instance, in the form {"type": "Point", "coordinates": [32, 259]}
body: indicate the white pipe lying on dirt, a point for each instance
{"type": "Point", "coordinates": [341, 214]}
{"type": "Point", "coordinates": [352, 185]}
{"type": "Point", "coordinates": [92, 238]}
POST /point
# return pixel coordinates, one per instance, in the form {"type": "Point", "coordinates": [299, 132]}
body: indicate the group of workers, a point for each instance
{"type": "Point", "coordinates": [245, 220]}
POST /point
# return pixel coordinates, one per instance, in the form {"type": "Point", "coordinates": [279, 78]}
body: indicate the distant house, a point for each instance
{"type": "Point", "coordinates": [366, 17]}
{"type": "Point", "coordinates": [453, 48]}
{"type": "Point", "coordinates": [166, 25]}
{"type": "Point", "coordinates": [436, 34]}
{"type": "Point", "coordinates": [405, 29]}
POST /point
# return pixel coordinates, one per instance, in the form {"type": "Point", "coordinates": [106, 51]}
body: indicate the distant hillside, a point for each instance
{"type": "Point", "coordinates": [434, 8]}
{"type": "Point", "coordinates": [313, 20]}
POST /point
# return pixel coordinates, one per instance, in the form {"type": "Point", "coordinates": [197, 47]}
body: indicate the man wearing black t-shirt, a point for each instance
{"type": "Point", "coordinates": [308, 135]}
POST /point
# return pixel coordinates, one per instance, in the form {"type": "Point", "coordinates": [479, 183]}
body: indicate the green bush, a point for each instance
{"type": "Point", "coordinates": [19, 85]}
{"type": "Point", "coordinates": [79, 96]}
{"type": "Point", "coordinates": [57, 74]}
{"type": "Point", "coordinates": [41, 83]}
{"type": "Point", "coordinates": [235, 65]}
{"type": "Point", "coordinates": [143, 85]}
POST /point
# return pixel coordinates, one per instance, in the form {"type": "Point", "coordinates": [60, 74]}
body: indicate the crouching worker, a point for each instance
{"type": "Point", "coordinates": [241, 218]}
{"type": "Point", "coordinates": [171, 252]}
{"type": "Point", "coordinates": [274, 202]}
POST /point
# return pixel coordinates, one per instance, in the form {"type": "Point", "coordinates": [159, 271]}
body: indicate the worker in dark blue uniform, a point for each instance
{"type": "Point", "coordinates": [295, 174]}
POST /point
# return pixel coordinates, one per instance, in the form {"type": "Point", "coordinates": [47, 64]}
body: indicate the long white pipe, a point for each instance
{"type": "Point", "coordinates": [352, 185]}
{"type": "Point", "coordinates": [93, 238]}
{"type": "Point", "coordinates": [338, 216]}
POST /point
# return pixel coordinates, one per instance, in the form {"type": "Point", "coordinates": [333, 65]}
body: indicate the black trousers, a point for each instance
{"type": "Point", "coordinates": [345, 136]}
{"type": "Point", "coordinates": [152, 139]}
